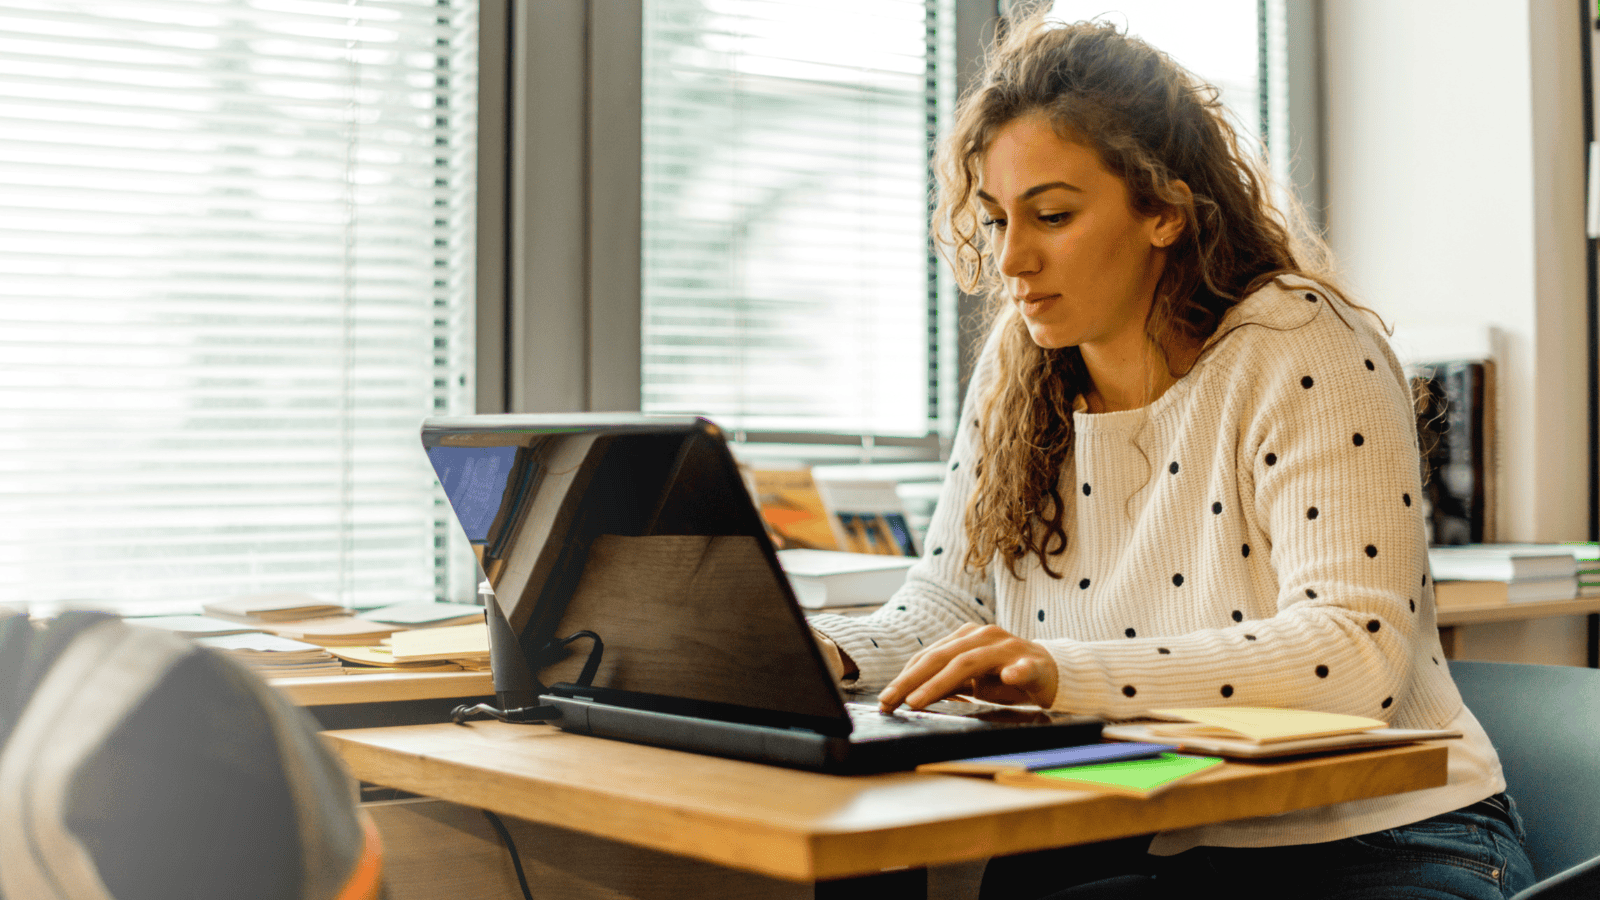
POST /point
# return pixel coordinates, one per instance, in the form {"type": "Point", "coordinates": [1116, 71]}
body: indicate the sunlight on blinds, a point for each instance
{"type": "Point", "coordinates": [787, 278]}
{"type": "Point", "coordinates": [238, 257]}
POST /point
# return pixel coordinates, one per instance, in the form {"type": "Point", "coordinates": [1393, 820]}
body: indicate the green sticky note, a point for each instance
{"type": "Point", "coordinates": [1142, 775]}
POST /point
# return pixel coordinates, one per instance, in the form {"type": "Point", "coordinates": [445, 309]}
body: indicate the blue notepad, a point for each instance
{"type": "Point", "coordinates": [1082, 755]}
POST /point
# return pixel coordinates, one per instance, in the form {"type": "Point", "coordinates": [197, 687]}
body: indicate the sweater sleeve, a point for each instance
{"type": "Point", "coordinates": [1325, 461]}
{"type": "Point", "coordinates": [941, 593]}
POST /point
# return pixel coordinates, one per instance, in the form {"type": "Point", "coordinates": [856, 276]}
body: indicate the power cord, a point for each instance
{"type": "Point", "coordinates": [511, 847]}
{"type": "Point", "coordinates": [519, 715]}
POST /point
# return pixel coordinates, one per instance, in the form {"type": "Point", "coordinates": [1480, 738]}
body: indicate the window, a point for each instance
{"type": "Point", "coordinates": [1240, 46]}
{"type": "Point", "coordinates": [788, 282]}
{"type": "Point", "coordinates": [238, 257]}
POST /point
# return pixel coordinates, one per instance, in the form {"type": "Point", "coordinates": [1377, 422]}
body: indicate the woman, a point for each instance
{"type": "Point", "coordinates": [1187, 476]}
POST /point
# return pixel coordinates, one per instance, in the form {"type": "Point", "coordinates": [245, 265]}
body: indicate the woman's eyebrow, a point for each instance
{"type": "Point", "coordinates": [1033, 191]}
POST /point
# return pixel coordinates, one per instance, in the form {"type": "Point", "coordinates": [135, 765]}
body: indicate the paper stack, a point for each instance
{"type": "Point", "coordinates": [272, 656]}
{"type": "Point", "coordinates": [464, 645]}
{"type": "Point", "coordinates": [1472, 575]}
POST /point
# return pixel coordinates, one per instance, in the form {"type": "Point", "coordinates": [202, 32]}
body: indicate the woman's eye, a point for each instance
{"type": "Point", "coordinates": [1055, 218]}
{"type": "Point", "coordinates": [992, 223]}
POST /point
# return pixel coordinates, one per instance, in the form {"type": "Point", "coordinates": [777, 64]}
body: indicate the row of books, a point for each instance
{"type": "Point", "coordinates": [295, 635]}
{"type": "Point", "coordinates": [1470, 575]}
{"type": "Point", "coordinates": [880, 509]}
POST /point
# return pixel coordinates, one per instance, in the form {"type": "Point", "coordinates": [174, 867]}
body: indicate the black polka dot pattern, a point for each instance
{"type": "Point", "coordinates": [980, 600]}
{"type": "Point", "coordinates": [955, 465]}
{"type": "Point", "coordinates": [1177, 580]}
{"type": "Point", "coordinates": [1307, 382]}
{"type": "Point", "coordinates": [1238, 616]}
{"type": "Point", "coordinates": [1310, 297]}
{"type": "Point", "coordinates": [1173, 468]}
{"type": "Point", "coordinates": [1373, 625]}
{"type": "Point", "coordinates": [1388, 702]}
{"type": "Point", "coordinates": [1041, 615]}
{"type": "Point", "coordinates": [1311, 594]}
{"type": "Point", "coordinates": [1249, 637]}
{"type": "Point", "coordinates": [1227, 690]}
{"type": "Point", "coordinates": [1312, 513]}
{"type": "Point", "coordinates": [1370, 366]}
{"type": "Point", "coordinates": [1413, 605]}
{"type": "Point", "coordinates": [1163, 651]}
{"type": "Point", "coordinates": [1244, 550]}
{"type": "Point", "coordinates": [1406, 499]}
{"type": "Point", "coordinates": [1130, 632]}
{"type": "Point", "coordinates": [1372, 551]}
{"type": "Point", "coordinates": [1357, 439]}
{"type": "Point", "coordinates": [1086, 488]}
{"type": "Point", "coordinates": [1128, 690]}
{"type": "Point", "coordinates": [1216, 509]}
{"type": "Point", "coordinates": [1322, 671]}
{"type": "Point", "coordinates": [1083, 584]}
{"type": "Point", "coordinates": [1272, 459]}
{"type": "Point", "coordinates": [938, 550]}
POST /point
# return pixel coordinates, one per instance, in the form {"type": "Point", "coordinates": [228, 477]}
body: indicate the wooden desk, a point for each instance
{"type": "Point", "coordinates": [803, 827]}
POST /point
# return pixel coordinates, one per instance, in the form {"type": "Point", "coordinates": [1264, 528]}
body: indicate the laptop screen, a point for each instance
{"type": "Point", "coordinates": [640, 530]}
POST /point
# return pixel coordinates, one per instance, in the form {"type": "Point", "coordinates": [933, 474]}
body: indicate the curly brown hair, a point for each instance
{"type": "Point", "coordinates": [1153, 124]}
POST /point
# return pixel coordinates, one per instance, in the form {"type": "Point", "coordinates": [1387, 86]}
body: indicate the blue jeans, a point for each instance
{"type": "Point", "coordinates": [1467, 854]}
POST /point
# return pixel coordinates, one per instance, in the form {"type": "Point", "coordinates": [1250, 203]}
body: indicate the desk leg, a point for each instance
{"type": "Point", "coordinates": [911, 884]}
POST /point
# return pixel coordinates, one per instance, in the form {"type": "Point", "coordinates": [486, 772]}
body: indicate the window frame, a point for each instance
{"type": "Point", "coordinates": [568, 295]}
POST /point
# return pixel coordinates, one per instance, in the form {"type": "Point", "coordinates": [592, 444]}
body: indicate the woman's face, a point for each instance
{"type": "Point", "coordinates": [1078, 262]}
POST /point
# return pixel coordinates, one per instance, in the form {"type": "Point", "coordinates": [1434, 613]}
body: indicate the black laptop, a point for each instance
{"type": "Point", "coordinates": [636, 591]}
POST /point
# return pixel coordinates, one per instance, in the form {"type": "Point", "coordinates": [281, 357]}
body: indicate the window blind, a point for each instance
{"type": "Point", "coordinates": [237, 246]}
{"type": "Point", "coordinates": [787, 278]}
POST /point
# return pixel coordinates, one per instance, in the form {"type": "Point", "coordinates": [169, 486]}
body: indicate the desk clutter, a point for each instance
{"type": "Point", "coordinates": [296, 635]}
{"type": "Point", "coordinates": [1142, 759]}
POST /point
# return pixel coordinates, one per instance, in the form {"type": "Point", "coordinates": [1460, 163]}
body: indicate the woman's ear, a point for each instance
{"type": "Point", "coordinates": [1168, 225]}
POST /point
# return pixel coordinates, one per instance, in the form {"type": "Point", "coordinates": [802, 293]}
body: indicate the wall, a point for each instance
{"type": "Point", "coordinates": [1454, 173]}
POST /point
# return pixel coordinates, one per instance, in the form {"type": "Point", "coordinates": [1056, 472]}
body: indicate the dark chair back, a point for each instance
{"type": "Point", "coordinates": [1545, 724]}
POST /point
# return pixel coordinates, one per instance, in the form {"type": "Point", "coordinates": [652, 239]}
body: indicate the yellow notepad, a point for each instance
{"type": "Point", "coordinates": [1257, 723]}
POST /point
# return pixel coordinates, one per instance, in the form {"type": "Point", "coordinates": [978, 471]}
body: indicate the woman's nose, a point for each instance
{"type": "Point", "coordinates": [1018, 256]}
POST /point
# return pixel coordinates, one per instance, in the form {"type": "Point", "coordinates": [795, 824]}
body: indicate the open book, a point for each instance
{"type": "Point", "coordinates": [1252, 731]}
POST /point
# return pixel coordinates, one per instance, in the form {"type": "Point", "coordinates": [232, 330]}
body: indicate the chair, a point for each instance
{"type": "Point", "coordinates": [1545, 724]}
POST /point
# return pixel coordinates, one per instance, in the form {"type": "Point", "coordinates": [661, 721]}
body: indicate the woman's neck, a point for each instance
{"type": "Point", "coordinates": [1129, 381]}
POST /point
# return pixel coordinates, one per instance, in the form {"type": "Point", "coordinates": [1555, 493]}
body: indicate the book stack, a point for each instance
{"type": "Point", "coordinates": [1474, 575]}
{"type": "Point", "coordinates": [1587, 555]}
{"type": "Point", "coordinates": [842, 582]}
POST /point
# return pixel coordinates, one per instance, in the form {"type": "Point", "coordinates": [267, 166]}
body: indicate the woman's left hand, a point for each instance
{"type": "Point", "coordinates": [985, 661]}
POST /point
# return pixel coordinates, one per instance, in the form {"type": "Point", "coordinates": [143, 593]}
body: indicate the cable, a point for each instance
{"type": "Point", "coordinates": [521, 714]}
{"type": "Point", "coordinates": [511, 847]}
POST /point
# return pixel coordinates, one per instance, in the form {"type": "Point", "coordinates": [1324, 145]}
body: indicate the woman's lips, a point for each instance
{"type": "Point", "coordinates": [1034, 304]}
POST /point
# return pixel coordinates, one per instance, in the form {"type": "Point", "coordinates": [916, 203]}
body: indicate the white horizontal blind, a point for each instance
{"type": "Point", "coordinates": [787, 278]}
{"type": "Point", "coordinates": [237, 254]}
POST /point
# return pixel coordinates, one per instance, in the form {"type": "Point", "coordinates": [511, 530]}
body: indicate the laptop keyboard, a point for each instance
{"type": "Point", "coordinates": [866, 722]}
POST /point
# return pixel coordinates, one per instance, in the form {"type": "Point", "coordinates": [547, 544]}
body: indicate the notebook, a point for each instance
{"type": "Point", "coordinates": [637, 534]}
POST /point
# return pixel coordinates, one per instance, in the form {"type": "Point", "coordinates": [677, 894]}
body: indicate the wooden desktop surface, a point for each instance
{"type": "Point", "coordinates": [804, 826]}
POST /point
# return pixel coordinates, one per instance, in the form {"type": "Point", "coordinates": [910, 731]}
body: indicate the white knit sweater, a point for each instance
{"type": "Point", "coordinates": [1252, 537]}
